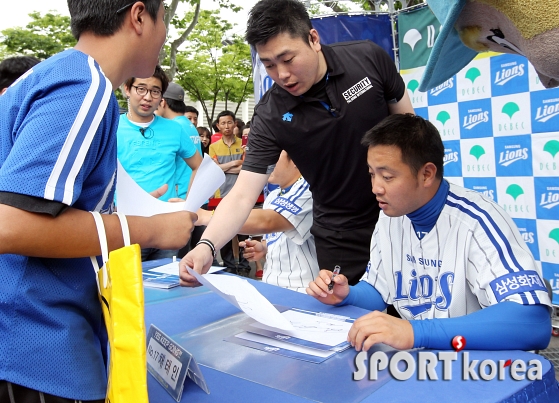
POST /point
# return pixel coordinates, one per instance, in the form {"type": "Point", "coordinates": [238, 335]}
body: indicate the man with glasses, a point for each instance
{"type": "Point", "coordinates": [57, 163]}
{"type": "Point", "coordinates": [148, 145]}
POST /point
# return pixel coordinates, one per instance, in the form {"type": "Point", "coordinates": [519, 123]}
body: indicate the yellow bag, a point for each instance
{"type": "Point", "coordinates": [121, 293]}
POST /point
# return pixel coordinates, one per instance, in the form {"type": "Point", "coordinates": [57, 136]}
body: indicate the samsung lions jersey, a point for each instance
{"type": "Point", "coordinates": [291, 258]}
{"type": "Point", "coordinates": [472, 258]}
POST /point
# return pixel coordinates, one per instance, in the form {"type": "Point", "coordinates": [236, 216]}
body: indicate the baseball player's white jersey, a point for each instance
{"type": "Point", "coordinates": [473, 257]}
{"type": "Point", "coordinates": [291, 258]}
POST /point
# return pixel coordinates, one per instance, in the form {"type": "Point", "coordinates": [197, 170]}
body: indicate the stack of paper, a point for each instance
{"type": "Point", "coordinates": [315, 338]}
{"type": "Point", "coordinates": [310, 336]}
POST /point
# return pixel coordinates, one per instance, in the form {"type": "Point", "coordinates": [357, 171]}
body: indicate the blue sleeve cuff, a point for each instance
{"type": "Point", "coordinates": [504, 326]}
{"type": "Point", "coordinates": [365, 296]}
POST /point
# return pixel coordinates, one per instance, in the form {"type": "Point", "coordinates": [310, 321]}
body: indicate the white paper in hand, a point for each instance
{"type": "Point", "coordinates": [131, 199]}
{"type": "Point", "coordinates": [207, 180]}
{"type": "Point", "coordinates": [244, 296]}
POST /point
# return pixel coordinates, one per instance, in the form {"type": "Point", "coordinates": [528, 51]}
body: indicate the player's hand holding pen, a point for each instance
{"type": "Point", "coordinates": [333, 295]}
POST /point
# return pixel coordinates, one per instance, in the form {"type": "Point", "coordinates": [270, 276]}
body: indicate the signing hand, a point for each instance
{"type": "Point", "coordinates": [377, 327]}
{"type": "Point", "coordinates": [318, 288]}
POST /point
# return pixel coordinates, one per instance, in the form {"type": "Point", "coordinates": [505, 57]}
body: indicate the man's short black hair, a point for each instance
{"type": "Point", "coordinates": [104, 17]}
{"type": "Point", "coordinates": [13, 68]}
{"type": "Point", "coordinates": [269, 18]}
{"type": "Point", "coordinates": [225, 113]}
{"type": "Point", "coordinates": [191, 109]}
{"type": "Point", "coordinates": [417, 138]}
{"type": "Point", "coordinates": [158, 73]}
{"type": "Point", "coordinates": [176, 106]}
{"type": "Point", "coordinates": [247, 126]}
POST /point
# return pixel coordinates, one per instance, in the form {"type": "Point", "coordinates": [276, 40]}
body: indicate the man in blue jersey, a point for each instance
{"type": "Point", "coordinates": [450, 260]}
{"type": "Point", "coordinates": [151, 147]}
{"type": "Point", "coordinates": [57, 163]}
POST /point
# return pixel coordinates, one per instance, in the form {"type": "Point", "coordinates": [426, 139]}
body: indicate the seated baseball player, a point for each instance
{"type": "Point", "coordinates": [449, 260]}
{"type": "Point", "coordinates": [286, 219]}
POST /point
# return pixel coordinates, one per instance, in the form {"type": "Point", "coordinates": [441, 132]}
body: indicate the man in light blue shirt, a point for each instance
{"type": "Point", "coordinates": [148, 146]}
{"type": "Point", "coordinates": [172, 107]}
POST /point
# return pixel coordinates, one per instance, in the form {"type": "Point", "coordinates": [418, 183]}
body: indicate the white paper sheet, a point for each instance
{"type": "Point", "coordinates": [286, 346]}
{"type": "Point", "coordinates": [173, 268]}
{"type": "Point", "coordinates": [207, 180]}
{"type": "Point", "coordinates": [131, 199]}
{"type": "Point", "coordinates": [315, 328]}
{"type": "Point", "coordinates": [243, 295]}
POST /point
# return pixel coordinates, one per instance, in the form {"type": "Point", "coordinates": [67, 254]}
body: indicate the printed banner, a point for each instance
{"type": "Point", "coordinates": [500, 127]}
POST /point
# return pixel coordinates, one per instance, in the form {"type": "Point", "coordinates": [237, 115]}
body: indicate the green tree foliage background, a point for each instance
{"type": "Point", "coordinates": [212, 71]}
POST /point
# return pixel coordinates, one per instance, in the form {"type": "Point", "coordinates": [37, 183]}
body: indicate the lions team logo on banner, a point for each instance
{"type": "Point", "coordinates": [485, 186]}
{"type": "Point", "coordinates": [511, 115]}
{"type": "Point", "coordinates": [551, 272]}
{"type": "Point", "coordinates": [548, 239]}
{"type": "Point", "coordinates": [474, 80]}
{"type": "Point", "coordinates": [446, 119]}
{"type": "Point", "coordinates": [545, 110]}
{"type": "Point", "coordinates": [513, 155]}
{"type": "Point", "coordinates": [515, 196]}
{"type": "Point", "coordinates": [412, 79]}
{"type": "Point", "coordinates": [444, 93]}
{"type": "Point", "coordinates": [547, 198]}
{"type": "Point", "coordinates": [546, 154]}
{"type": "Point", "coordinates": [509, 75]}
{"type": "Point", "coordinates": [475, 118]}
{"type": "Point", "coordinates": [452, 164]}
{"type": "Point", "coordinates": [418, 31]}
{"type": "Point", "coordinates": [529, 232]}
{"type": "Point", "coordinates": [478, 158]}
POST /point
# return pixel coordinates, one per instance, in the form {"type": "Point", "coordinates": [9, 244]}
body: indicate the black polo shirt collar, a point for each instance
{"type": "Point", "coordinates": [333, 67]}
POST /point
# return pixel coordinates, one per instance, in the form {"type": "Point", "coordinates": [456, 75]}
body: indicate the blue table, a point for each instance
{"type": "Point", "coordinates": [198, 320]}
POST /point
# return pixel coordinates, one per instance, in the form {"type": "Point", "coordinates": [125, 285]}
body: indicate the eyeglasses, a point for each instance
{"type": "Point", "coordinates": [120, 10]}
{"type": "Point", "coordinates": [142, 91]}
{"type": "Point", "coordinates": [147, 132]}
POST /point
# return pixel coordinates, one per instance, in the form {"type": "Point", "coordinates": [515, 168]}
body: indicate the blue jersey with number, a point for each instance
{"type": "Point", "coordinates": [57, 142]}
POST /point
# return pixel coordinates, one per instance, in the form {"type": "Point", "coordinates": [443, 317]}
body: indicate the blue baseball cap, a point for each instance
{"type": "Point", "coordinates": [449, 55]}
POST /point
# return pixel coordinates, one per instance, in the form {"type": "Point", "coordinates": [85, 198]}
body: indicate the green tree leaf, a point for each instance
{"type": "Point", "coordinates": [210, 71]}
{"type": "Point", "coordinates": [43, 37]}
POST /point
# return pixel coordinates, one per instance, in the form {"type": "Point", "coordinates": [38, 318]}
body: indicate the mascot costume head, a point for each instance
{"type": "Point", "coordinates": [525, 27]}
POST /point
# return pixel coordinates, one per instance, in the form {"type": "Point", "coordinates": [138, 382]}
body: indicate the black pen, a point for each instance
{"type": "Point", "coordinates": [334, 274]}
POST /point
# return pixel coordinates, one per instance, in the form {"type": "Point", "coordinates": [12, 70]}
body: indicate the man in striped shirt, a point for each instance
{"type": "Point", "coordinates": [451, 261]}
{"type": "Point", "coordinates": [286, 219]}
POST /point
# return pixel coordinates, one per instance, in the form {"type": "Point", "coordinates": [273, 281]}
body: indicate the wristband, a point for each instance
{"type": "Point", "coordinates": [210, 244]}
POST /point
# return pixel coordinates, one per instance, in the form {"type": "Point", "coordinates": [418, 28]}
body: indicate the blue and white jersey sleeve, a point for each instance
{"type": "Point", "coordinates": [52, 144]}
{"type": "Point", "coordinates": [500, 266]}
{"type": "Point", "coordinates": [296, 207]}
